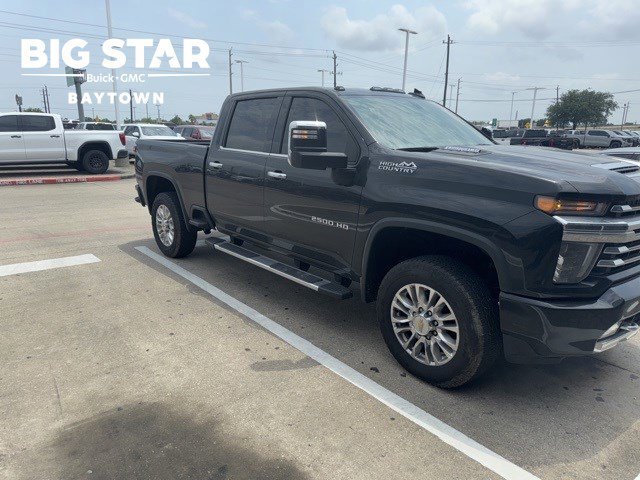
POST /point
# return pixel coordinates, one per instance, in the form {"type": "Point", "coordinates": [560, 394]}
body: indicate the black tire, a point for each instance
{"type": "Point", "coordinates": [184, 238]}
{"type": "Point", "coordinates": [476, 312]}
{"type": "Point", "coordinates": [95, 162]}
{"type": "Point", "coordinates": [615, 144]}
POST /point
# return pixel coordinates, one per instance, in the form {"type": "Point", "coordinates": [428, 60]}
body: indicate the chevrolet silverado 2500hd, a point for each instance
{"type": "Point", "coordinates": [31, 138]}
{"type": "Point", "coordinates": [471, 250]}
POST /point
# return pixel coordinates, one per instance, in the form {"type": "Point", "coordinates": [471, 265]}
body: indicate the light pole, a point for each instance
{"type": "Point", "coordinates": [113, 71]}
{"type": "Point", "coordinates": [323, 72]}
{"type": "Point", "coordinates": [533, 105]}
{"type": "Point", "coordinates": [406, 53]}
{"type": "Point", "coordinates": [511, 111]}
{"type": "Point", "coordinates": [241, 62]}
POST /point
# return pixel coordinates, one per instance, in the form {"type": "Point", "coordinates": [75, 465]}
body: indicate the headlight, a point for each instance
{"type": "Point", "coordinates": [557, 206]}
{"type": "Point", "coordinates": [575, 261]}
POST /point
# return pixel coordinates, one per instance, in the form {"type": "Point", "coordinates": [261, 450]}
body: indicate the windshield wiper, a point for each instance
{"type": "Point", "coordinates": [418, 149]}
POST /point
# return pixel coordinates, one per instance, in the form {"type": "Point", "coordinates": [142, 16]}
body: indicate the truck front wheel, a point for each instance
{"type": "Point", "coordinates": [439, 320]}
{"type": "Point", "coordinates": [173, 236]}
{"type": "Point", "coordinates": [95, 162]}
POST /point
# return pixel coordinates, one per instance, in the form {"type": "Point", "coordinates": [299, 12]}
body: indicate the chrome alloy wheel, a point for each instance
{"type": "Point", "coordinates": [164, 225]}
{"type": "Point", "coordinates": [424, 324]}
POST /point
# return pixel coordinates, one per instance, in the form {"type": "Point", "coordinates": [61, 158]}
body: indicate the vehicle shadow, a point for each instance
{"type": "Point", "coordinates": [152, 440]}
{"type": "Point", "coordinates": [535, 416]}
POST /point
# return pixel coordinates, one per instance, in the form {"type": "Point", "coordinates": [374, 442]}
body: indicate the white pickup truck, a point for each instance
{"type": "Point", "coordinates": [32, 138]}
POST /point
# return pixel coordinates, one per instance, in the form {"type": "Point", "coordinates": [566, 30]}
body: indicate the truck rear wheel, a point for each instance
{"type": "Point", "coordinates": [439, 320]}
{"type": "Point", "coordinates": [95, 162]}
{"type": "Point", "coordinates": [173, 236]}
{"type": "Point", "coordinates": [615, 144]}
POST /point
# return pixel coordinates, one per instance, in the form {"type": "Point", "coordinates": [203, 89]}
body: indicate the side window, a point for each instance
{"type": "Point", "coordinates": [38, 123]}
{"type": "Point", "coordinates": [187, 132]}
{"type": "Point", "coordinates": [338, 138]}
{"type": "Point", "coordinates": [9, 123]}
{"type": "Point", "coordinates": [252, 124]}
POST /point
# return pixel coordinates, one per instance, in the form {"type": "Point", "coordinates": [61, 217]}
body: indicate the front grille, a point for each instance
{"type": "Point", "coordinates": [624, 252]}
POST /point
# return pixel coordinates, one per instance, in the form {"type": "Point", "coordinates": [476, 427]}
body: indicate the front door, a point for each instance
{"type": "Point", "coordinates": [11, 140]}
{"type": "Point", "coordinates": [235, 166]}
{"type": "Point", "coordinates": [42, 140]}
{"type": "Point", "coordinates": [314, 213]}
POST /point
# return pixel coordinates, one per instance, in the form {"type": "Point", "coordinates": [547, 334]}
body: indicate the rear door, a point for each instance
{"type": "Point", "coordinates": [43, 140]}
{"type": "Point", "coordinates": [314, 213]}
{"type": "Point", "coordinates": [234, 175]}
{"type": "Point", "coordinates": [11, 140]}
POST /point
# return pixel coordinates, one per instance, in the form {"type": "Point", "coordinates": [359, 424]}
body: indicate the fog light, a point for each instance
{"type": "Point", "coordinates": [575, 261]}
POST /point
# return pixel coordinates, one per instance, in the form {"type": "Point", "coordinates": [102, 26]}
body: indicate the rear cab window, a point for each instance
{"type": "Point", "coordinates": [37, 123]}
{"type": "Point", "coordinates": [252, 124]}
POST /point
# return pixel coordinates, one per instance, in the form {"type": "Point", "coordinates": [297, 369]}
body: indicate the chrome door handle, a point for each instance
{"type": "Point", "coordinates": [16, 136]}
{"type": "Point", "coordinates": [54, 136]}
{"type": "Point", "coordinates": [215, 165]}
{"type": "Point", "coordinates": [276, 174]}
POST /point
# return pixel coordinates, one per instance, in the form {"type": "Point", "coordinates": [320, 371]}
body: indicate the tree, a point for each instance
{"type": "Point", "coordinates": [177, 120]}
{"type": "Point", "coordinates": [586, 107]}
{"type": "Point", "coordinates": [33, 109]}
{"type": "Point", "coordinates": [192, 118]}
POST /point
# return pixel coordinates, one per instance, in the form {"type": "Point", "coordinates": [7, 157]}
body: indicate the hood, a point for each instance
{"type": "Point", "coordinates": [587, 173]}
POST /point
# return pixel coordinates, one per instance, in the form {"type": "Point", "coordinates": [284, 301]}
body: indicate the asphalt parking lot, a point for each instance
{"type": "Point", "coordinates": [123, 367]}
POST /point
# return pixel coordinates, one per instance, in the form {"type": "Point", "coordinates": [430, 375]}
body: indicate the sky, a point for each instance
{"type": "Point", "coordinates": [500, 47]}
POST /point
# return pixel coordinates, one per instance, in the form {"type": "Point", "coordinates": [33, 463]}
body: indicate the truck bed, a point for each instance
{"type": "Point", "coordinates": [178, 160]}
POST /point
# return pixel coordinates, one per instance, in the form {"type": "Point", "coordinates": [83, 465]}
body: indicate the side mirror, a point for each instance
{"type": "Point", "coordinates": [136, 134]}
{"type": "Point", "coordinates": [308, 147]}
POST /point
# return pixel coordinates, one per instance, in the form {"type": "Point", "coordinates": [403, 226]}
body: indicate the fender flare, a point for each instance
{"type": "Point", "coordinates": [176, 187]}
{"type": "Point", "coordinates": [483, 243]}
{"type": "Point", "coordinates": [101, 142]}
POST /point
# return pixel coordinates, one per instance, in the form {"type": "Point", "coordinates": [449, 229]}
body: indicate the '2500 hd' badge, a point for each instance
{"type": "Point", "coordinates": [400, 167]}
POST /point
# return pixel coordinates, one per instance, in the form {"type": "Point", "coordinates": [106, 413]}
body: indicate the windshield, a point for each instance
{"type": "Point", "coordinates": [207, 132]}
{"type": "Point", "coordinates": [403, 121]}
{"type": "Point", "coordinates": [160, 130]}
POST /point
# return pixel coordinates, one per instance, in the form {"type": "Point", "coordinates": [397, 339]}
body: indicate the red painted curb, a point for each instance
{"type": "Point", "coordinates": [54, 180]}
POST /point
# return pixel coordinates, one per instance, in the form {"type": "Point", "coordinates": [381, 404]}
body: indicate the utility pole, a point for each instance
{"type": "Point", "coordinates": [230, 73]}
{"type": "Point", "coordinates": [93, 113]}
{"type": "Point", "coordinates": [533, 105]}
{"type": "Point", "coordinates": [44, 101]}
{"type": "Point", "coordinates": [511, 111]}
{"type": "Point", "coordinates": [322, 71]}
{"type": "Point", "coordinates": [158, 107]}
{"type": "Point", "coordinates": [131, 106]}
{"type": "Point", "coordinates": [146, 107]}
{"type": "Point", "coordinates": [113, 71]}
{"type": "Point", "coordinates": [446, 72]}
{"type": "Point", "coordinates": [19, 102]}
{"type": "Point", "coordinates": [46, 95]}
{"type": "Point", "coordinates": [406, 53]}
{"type": "Point", "coordinates": [557, 94]}
{"type": "Point", "coordinates": [457, 96]}
{"type": "Point", "coordinates": [241, 62]}
{"type": "Point", "coordinates": [335, 70]}
{"type": "Point", "coordinates": [451, 87]}
{"type": "Point", "coordinates": [625, 110]}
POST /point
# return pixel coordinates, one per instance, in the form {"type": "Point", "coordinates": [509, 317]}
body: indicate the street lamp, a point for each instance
{"type": "Point", "coordinates": [406, 53]}
{"type": "Point", "coordinates": [533, 105]}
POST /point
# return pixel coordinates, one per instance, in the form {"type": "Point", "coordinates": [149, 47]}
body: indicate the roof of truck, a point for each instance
{"type": "Point", "coordinates": [338, 91]}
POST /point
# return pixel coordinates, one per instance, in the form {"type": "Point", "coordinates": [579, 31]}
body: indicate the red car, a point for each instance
{"type": "Point", "coordinates": [195, 132]}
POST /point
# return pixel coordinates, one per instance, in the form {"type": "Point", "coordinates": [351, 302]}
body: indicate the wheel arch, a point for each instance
{"type": "Point", "coordinates": [95, 145]}
{"type": "Point", "coordinates": [158, 182]}
{"type": "Point", "coordinates": [444, 237]}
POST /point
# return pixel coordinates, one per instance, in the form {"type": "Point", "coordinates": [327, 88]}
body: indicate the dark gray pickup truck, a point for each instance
{"type": "Point", "coordinates": [471, 250]}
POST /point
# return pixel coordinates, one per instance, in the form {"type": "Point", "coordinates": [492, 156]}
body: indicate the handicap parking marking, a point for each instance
{"type": "Point", "coordinates": [415, 414]}
{"type": "Point", "coordinates": [49, 264]}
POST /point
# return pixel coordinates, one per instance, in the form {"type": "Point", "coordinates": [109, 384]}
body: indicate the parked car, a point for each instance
{"type": "Point", "coordinates": [543, 138]}
{"type": "Point", "coordinates": [31, 138]}
{"type": "Point", "coordinates": [635, 140]}
{"type": "Point", "coordinates": [470, 249]}
{"type": "Point", "coordinates": [629, 153]}
{"type": "Point", "coordinates": [195, 132]}
{"type": "Point", "coordinates": [95, 126]}
{"type": "Point", "coordinates": [599, 138]}
{"type": "Point", "coordinates": [135, 131]}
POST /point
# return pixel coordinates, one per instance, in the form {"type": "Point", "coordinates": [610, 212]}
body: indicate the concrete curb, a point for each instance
{"type": "Point", "coordinates": [55, 180]}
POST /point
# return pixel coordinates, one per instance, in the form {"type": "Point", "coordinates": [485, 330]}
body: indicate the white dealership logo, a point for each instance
{"type": "Point", "coordinates": [401, 167]}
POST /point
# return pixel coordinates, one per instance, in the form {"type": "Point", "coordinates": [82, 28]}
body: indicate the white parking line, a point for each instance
{"type": "Point", "coordinates": [444, 432]}
{"type": "Point", "coordinates": [16, 268]}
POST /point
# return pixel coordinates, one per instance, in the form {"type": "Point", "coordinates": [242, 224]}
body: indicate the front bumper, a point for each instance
{"type": "Point", "coordinates": [538, 331]}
